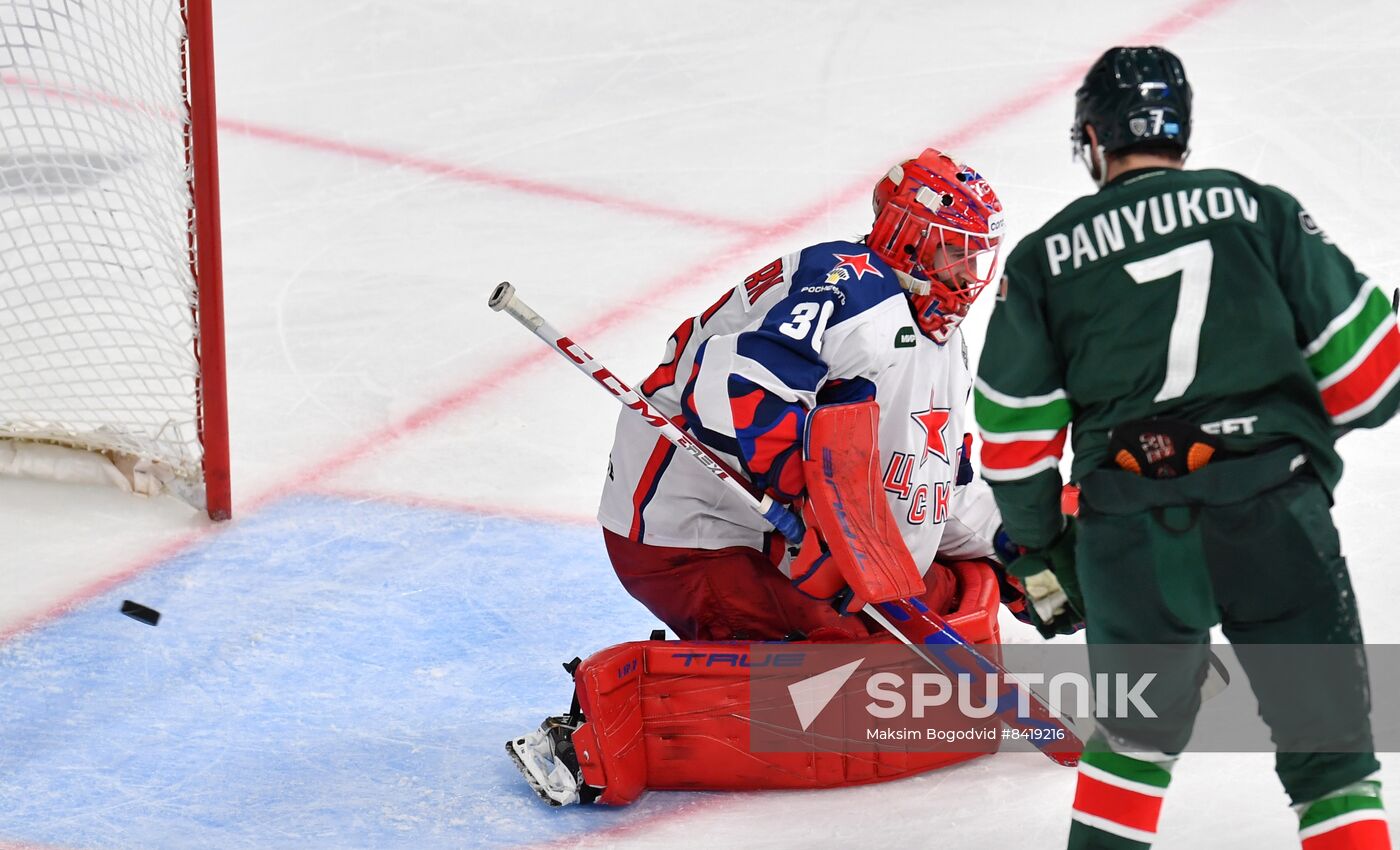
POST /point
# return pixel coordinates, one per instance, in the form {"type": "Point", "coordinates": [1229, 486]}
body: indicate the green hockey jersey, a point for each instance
{"type": "Point", "coordinates": [1199, 295]}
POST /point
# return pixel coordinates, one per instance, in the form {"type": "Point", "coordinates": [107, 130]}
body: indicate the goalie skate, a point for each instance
{"type": "Point", "coordinates": [546, 759]}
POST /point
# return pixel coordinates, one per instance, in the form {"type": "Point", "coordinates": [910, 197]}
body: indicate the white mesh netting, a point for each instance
{"type": "Point", "coordinates": [97, 321]}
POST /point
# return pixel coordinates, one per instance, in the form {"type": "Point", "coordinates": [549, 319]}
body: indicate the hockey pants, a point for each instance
{"type": "Point", "coordinates": [1269, 570]}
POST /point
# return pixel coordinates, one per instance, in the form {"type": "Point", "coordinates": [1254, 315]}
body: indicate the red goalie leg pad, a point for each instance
{"type": "Point", "coordinates": [673, 714]}
{"type": "Point", "coordinates": [610, 748]}
{"type": "Point", "coordinates": [978, 600]}
{"type": "Point", "coordinates": [841, 462]}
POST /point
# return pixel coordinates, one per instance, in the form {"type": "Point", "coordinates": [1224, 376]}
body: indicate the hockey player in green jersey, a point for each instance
{"type": "Point", "coordinates": [1203, 343]}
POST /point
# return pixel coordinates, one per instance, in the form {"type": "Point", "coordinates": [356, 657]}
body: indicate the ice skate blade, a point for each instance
{"type": "Point", "coordinates": [519, 753]}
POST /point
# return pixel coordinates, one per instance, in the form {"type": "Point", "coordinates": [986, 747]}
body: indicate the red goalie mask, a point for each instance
{"type": "Point", "coordinates": [939, 225]}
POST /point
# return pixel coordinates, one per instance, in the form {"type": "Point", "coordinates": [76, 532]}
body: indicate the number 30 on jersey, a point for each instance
{"type": "Point", "coordinates": [804, 317]}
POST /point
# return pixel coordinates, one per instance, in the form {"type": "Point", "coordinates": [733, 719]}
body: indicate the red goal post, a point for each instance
{"type": "Point", "coordinates": [111, 316]}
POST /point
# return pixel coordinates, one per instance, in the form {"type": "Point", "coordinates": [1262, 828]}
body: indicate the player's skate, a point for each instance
{"type": "Point", "coordinates": [546, 757]}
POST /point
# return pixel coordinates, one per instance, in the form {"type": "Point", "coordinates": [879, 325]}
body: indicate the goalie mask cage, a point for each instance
{"type": "Point", "coordinates": [111, 321]}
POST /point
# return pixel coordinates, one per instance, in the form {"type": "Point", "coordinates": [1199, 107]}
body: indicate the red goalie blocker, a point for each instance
{"type": "Point", "coordinates": [674, 715]}
{"type": "Point", "coordinates": [840, 462]}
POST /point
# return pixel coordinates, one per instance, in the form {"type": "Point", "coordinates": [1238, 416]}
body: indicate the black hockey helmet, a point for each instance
{"type": "Point", "coordinates": [1134, 96]}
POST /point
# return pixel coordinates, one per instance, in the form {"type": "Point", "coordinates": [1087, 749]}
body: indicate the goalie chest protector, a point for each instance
{"type": "Point", "coordinates": [655, 497]}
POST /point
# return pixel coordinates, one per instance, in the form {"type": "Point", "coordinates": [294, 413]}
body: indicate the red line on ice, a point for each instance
{"type": "Point", "coordinates": [412, 500]}
{"type": "Point", "coordinates": [167, 550]}
{"type": "Point", "coordinates": [448, 404]}
{"type": "Point", "coordinates": [437, 410]}
{"type": "Point", "coordinates": [411, 162]}
{"type": "Point", "coordinates": [992, 119]}
{"type": "Point", "coordinates": [11, 845]}
{"type": "Point", "coordinates": [478, 176]}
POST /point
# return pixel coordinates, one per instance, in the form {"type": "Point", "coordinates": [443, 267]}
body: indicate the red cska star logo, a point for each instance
{"type": "Point", "coordinates": [859, 263]}
{"type": "Point", "coordinates": [934, 422]}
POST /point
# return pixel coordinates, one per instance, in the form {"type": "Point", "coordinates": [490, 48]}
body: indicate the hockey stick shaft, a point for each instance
{"type": "Point", "coordinates": [935, 641]}
{"type": "Point", "coordinates": [503, 299]}
{"type": "Point", "coordinates": [911, 622]}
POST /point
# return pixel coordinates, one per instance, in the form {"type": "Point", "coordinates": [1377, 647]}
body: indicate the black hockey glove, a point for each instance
{"type": "Point", "coordinates": [1055, 605]}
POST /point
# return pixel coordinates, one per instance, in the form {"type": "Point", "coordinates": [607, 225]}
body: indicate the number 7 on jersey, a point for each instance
{"type": "Point", "coordinates": [1194, 262]}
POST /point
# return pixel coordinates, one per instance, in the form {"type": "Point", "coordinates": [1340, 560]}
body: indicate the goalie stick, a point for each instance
{"type": "Point", "coordinates": [503, 299]}
{"type": "Point", "coordinates": [911, 622]}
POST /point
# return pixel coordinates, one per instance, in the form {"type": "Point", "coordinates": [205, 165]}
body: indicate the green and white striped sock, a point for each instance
{"type": "Point", "coordinates": [1350, 818]}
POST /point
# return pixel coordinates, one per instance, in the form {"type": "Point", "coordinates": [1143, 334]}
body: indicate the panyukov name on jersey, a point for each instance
{"type": "Point", "coordinates": [1162, 214]}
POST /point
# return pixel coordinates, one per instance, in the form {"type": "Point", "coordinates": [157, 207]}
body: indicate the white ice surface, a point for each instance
{"type": "Point", "coordinates": [356, 288]}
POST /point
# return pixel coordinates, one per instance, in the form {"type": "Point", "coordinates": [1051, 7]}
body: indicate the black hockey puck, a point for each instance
{"type": "Point", "coordinates": [137, 611]}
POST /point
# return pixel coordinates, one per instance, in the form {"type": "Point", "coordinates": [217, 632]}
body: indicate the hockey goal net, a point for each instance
{"type": "Point", "coordinates": [110, 317]}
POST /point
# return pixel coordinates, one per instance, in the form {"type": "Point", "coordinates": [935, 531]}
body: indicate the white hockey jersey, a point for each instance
{"type": "Point", "coordinates": [828, 323]}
